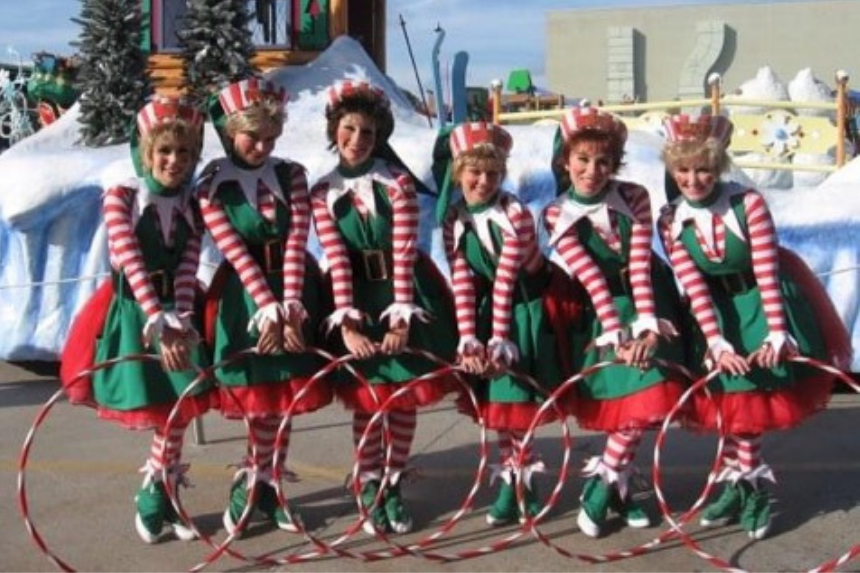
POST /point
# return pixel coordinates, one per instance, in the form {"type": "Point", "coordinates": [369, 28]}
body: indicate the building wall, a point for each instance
{"type": "Point", "coordinates": [663, 53]}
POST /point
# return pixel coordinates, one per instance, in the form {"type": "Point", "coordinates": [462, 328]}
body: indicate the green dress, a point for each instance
{"type": "Point", "coordinates": [764, 398]}
{"type": "Point", "coordinates": [262, 385]}
{"type": "Point", "coordinates": [508, 402]}
{"type": "Point", "coordinates": [140, 394]}
{"type": "Point", "coordinates": [620, 397]}
{"type": "Point", "coordinates": [373, 297]}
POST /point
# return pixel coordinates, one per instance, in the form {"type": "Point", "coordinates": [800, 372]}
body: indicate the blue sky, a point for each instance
{"type": "Point", "coordinates": [499, 36]}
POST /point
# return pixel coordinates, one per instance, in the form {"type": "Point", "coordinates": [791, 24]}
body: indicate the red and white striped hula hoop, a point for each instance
{"type": "Point", "coordinates": [826, 566]}
{"type": "Point", "coordinates": [415, 549]}
{"type": "Point", "coordinates": [224, 547]}
{"type": "Point", "coordinates": [615, 555]}
{"type": "Point", "coordinates": [676, 527]}
{"type": "Point", "coordinates": [24, 457]}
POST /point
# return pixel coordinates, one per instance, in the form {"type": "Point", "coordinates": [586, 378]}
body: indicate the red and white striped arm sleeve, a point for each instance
{"type": "Point", "coordinates": [524, 224]}
{"type": "Point", "coordinates": [296, 243]}
{"type": "Point", "coordinates": [230, 243]}
{"type": "Point", "coordinates": [462, 286]}
{"type": "Point", "coordinates": [641, 234]}
{"type": "Point", "coordinates": [185, 280]}
{"type": "Point", "coordinates": [588, 272]}
{"type": "Point", "coordinates": [765, 264]}
{"type": "Point", "coordinates": [336, 255]}
{"type": "Point", "coordinates": [124, 248]}
{"type": "Point", "coordinates": [694, 285]}
{"type": "Point", "coordinates": [404, 207]}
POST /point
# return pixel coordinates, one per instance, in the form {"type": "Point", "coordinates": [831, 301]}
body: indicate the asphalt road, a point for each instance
{"type": "Point", "coordinates": [81, 476]}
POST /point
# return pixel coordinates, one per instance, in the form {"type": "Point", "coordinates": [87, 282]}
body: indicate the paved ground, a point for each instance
{"type": "Point", "coordinates": [82, 475]}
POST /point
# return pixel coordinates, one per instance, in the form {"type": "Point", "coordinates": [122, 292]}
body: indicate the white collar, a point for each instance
{"type": "Point", "coordinates": [703, 217]}
{"type": "Point", "coordinates": [164, 207]}
{"type": "Point", "coordinates": [362, 186]}
{"type": "Point", "coordinates": [598, 213]}
{"type": "Point", "coordinates": [248, 179]}
{"type": "Point", "coordinates": [481, 223]}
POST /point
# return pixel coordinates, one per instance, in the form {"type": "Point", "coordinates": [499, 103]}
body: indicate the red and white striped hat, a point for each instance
{"type": "Point", "coordinates": [163, 109]}
{"type": "Point", "coordinates": [347, 88]}
{"type": "Point", "coordinates": [240, 95]}
{"type": "Point", "coordinates": [470, 135]}
{"type": "Point", "coordinates": [683, 127]}
{"type": "Point", "coordinates": [586, 118]}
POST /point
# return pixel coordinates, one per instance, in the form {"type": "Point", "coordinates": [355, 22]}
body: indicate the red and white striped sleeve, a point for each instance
{"type": "Point", "coordinates": [297, 237]}
{"type": "Point", "coordinates": [641, 235]}
{"type": "Point", "coordinates": [231, 245]}
{"type": "Point", "coordinates": [693, 282]}
{"type": "Point", "coordinates": [586, 270]}
{"type": "Point", "coordinates": [185, 280]}
{"type": "Point", "coordinates": [404, 235]}
{"type": "Point", "coordinates": [461, 282]}
{"type": "Point", "coordinates": [510, 260]}
{"type": "Point", "coordinates": [524, 224]}
{"type": "Point", "coordinates": [765, 266]}
{"type": "Point", "coordinates": [124, 248]}
{"type": "Point", "coordinates": [333, 248]}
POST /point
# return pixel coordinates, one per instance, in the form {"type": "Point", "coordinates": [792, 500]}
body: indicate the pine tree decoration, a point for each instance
{"type": "Point", "coordinates": [113, 79]}
{"type": "Point", "coordinates": [217, 45]}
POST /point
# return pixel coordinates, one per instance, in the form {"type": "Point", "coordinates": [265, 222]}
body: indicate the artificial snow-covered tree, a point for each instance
{"type": "Point", "coordinates": [217, 45]}
{"type": "Point", "coordinates": [113, 78]}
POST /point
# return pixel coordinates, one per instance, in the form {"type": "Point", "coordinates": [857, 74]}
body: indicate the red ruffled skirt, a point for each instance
{"type": "Point", "coordinates": [641, 410]}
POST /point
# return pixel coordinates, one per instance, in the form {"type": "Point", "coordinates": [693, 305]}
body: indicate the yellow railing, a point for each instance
{"type": "Point", "coordinates": [778, 132]}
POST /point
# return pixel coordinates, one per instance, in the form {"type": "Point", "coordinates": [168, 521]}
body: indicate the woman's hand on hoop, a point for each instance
{"type": "Point", "coordinates": [175, 350]}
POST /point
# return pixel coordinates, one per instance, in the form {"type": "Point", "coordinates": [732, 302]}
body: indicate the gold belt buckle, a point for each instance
{"type": "Point", "coordinates": [158, 279]}
{"type": "Point", "coordinates": [271, 250]}
{"type": "Point", "coordinates": [375, 268]}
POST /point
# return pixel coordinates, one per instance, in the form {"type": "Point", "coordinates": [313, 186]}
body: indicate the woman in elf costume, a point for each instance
{"type": "Point", "coordinates": [387, 294]}
{"type": "Point", "coordinates": [755, 304]}
{"type": "Point", "coordinates": [601, 229]}
{"type": "Point", "coordinates": [268, 294]}
{"type": "Point", "coordinates": [499, 278]}
{"type": "Point", "coordinates": [154, 244]}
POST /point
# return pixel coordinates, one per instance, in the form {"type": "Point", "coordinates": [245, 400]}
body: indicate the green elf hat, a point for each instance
{"type": "Point", "coordinates": [239, 96]}
{"type": "Point", "coordinates": [461, 139]}
{"type": "Point", "coordinates": [160, 110]}
{"type": "Point", "coordinates": [577, 120]}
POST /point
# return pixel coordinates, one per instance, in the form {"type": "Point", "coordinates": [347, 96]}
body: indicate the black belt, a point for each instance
{"type": "Point", "coordinates": [619, 283]}
{"type": "Point", "coordinates": [161, 281]}
{"type": "Point", "coordinates": [371, 264]}
{"type": "Point", "coordinates": [732, 284]}
{"type": "Point", "coordinates": [269, 255]}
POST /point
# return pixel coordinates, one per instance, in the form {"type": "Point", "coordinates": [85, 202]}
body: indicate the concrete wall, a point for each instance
{"type": "Point", "coordinates": [661, 53]}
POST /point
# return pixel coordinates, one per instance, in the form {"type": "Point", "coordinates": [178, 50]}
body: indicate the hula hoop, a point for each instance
{"type": "Point", "coordinates": [533, 523]}
{"type": "Point", "coordinates": [400, 550]}
{"type": "Point", "coordinates": [23, 459]}
{"type": "Point", "coordinates": [224, 547]}
{"type": "Point", "coordinates": [691, 544]}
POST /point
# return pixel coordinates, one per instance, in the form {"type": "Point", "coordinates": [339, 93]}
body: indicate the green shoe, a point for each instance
{"type": "Point", "coordinates": [505, 509]}
{"type": "Point", "coordinates": [533, 505]}
{"type": "Point", "coordinates": [268, 504]}
{"type": "Point", "coordinates": [633, 514]}
{"type": "Point", "coordinates": [172, 518]}
{"type": "Point", "coordinates": [725, 509]}
{"type": "Point", "coordinates": [596, 495]}
{"type": "Point", "coordinates": [756, 517]}
{"type": "Point", "coordinates": [398, 518]}
{"type": "Point", "coordinates": [151, 501]}
{"type": "Point", "coordinates": [237, 503]}
{"type": "Point", "coordinates": [377, 518]}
